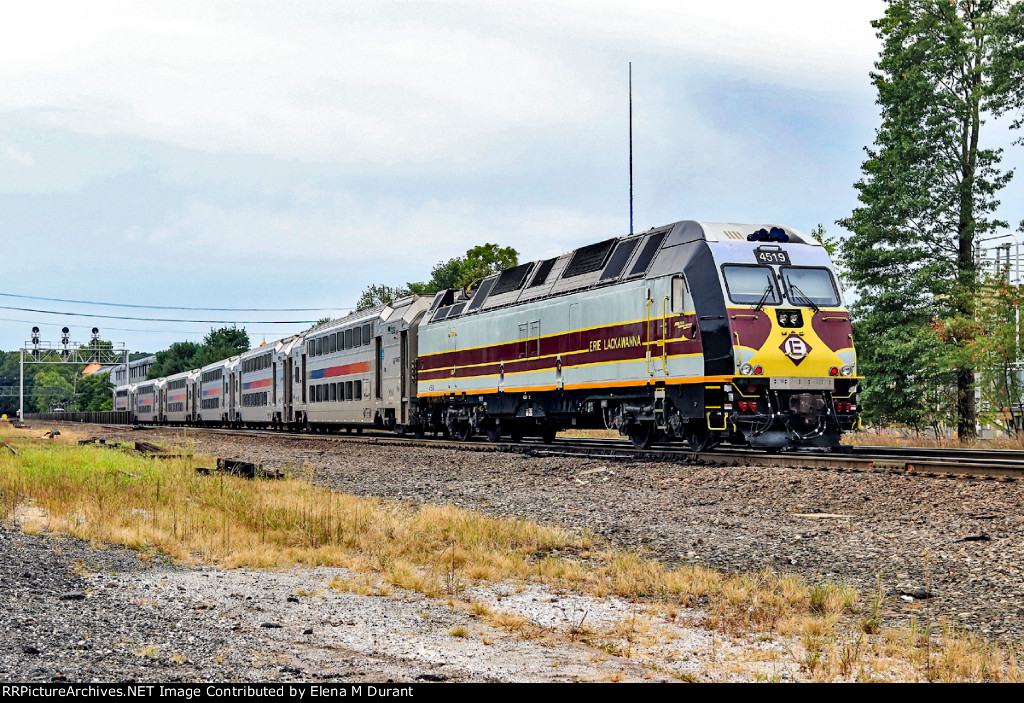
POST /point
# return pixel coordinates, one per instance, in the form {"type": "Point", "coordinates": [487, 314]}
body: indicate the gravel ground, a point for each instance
{"type": "Point", "coordinates": [77, 613]}
{"type": "Point", "coordinates": [82, 613]}
{"type": "Point", "coordinates": [945, 547]}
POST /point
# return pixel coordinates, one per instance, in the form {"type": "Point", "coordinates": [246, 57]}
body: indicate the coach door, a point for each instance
{"type": "Point", "coordinates": [288, 380]}
{"type": "Point", "coordinates": [403, 366]}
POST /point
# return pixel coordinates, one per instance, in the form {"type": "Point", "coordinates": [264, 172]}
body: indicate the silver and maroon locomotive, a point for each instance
{"type": "Point", "coordinates": [696, 331]}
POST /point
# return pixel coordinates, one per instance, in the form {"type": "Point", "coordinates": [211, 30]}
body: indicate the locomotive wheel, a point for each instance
{"type": "Point", "coordinates": [698, 438]}
{"type": "Point", "coordinates": [641, 434]}
{"type": "Point", "coordinates": [516, 433]}
{"type": "Point", "coordinates": [493, 431]}
{"type": "Point", "coordinates": [547, 434]}
{"type": "Point", "coordinates": [463, 431]}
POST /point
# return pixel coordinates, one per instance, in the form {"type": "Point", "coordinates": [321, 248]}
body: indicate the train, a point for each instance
{"type": "Point", "coordinates": [697, 332]}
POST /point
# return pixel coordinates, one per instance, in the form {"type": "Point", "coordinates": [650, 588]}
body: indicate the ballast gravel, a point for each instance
{"type": "Point", "coordinates": [76, 613]}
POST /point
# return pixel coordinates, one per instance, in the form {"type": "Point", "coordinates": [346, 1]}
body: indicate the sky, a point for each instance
{"type": "Point", "coordinates": [283, 154]}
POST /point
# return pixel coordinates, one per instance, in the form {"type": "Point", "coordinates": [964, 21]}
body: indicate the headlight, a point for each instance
{"type": "Point", "coordinates": [746, 370]}
{"type": "Point", "coordinates": [794, 319]}
{"type": "Point", "coordinates": [847, 370]}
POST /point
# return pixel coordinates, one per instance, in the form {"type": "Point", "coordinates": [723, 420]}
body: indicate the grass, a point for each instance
{"type": "Point", "coordinates": [903, 437]}
{"type": "Point", "coordinates": [160, 506]}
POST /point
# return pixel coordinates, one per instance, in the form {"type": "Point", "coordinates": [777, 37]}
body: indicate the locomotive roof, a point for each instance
{"type": "Point", "coordinates": [613, 260]}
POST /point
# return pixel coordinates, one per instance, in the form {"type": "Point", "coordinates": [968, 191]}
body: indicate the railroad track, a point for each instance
{"type": "Point", "coordinates": [915, 461]}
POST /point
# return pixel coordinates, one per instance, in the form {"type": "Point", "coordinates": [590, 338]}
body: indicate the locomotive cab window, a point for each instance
{"type": "Point", "coordinates": [749, 285]}
{"type": "Point", "coordinates": [681, 301]}
{"type": "Point", "coordinates": [805, 286]}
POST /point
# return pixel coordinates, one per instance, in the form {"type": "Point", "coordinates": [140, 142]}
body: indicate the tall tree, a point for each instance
{"type": "Point", "coordinates": [458, 272]}
{"type": "Point", "coordinates": [927, 196]}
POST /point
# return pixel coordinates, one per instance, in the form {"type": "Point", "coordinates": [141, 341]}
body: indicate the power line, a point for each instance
{"type": "Point", "coordinates": [256, 330]}
{"type": "Point", "coordinates": [165, 307]}
{"type": "Point", "coordinates": [163, 319]}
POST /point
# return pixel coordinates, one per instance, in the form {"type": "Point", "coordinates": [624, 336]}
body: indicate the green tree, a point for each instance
{"type": "Point", "coordinates": [50, 387]}
{"type": "Point", "coordinates": [180, 356]}
{"type": "Point", "coordinates": [459, 272]}
{"type": "Point", "coordinates": [997, 352]}
{"type": "Point", "coordinates": [94, 393]}
{"type": "Point", "coordinates": [462, 271]}
{"type": "Point", "coordinates": [376, 294]}
{"type": "Point", "coordinates": [221, 344]}
{"type": "Point", "coordinates": [927, 195]}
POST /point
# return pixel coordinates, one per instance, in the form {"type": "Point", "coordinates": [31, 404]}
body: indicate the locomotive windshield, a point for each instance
{"type": "Point", "coordinates": [813, 286]}
{"type": "Point", "coordinates": [751, 285]}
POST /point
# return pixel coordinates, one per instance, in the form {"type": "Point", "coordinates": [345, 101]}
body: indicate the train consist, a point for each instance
{"type": "Point", "coordinates": [696, 331]}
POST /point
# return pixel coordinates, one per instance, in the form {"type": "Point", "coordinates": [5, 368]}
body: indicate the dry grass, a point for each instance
{"type": "Point", "coordinates": [163, 506]}
{"type": "Point", "coordinates": [903, 437]}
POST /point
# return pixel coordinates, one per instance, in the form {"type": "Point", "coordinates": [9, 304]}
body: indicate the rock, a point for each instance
{"type": "Point", "coordinates": [431, 677]}
{"type": "Point", "coordinates": [270, 625]}
{"type": "Point", "coordinates": [73, 595]}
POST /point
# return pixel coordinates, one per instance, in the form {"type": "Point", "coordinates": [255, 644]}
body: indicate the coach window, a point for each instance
{"type": "Point", "coordinates": [319, 346]}
{"type": "Point", "coordinates": [359, 390]}
{"type": "Point", "coordinates": [348, 390]}
{"type": "Point", "coordinates": [348, 339]}
{"type": "Point", "coordinates": [680, 295]}
{"type": "Point", "coordinates": [334, 342]}
{"type": "Point", "coordinates": [366, 334]}
{"type": "Point", "coordinates": [357, 339]}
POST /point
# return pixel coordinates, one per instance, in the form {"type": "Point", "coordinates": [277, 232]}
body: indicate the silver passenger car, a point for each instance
{"type": "Point", "coordinates": [358, 370]}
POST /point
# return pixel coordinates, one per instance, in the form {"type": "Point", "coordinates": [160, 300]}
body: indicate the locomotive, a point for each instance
{"type": "Point", "coordinates": [696, 331]}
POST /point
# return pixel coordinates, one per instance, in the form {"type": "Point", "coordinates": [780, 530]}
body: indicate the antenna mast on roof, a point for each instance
{"type": "Point", "coordinates": [631, 147]}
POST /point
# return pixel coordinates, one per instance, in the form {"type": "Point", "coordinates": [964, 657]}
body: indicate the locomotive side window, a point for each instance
{"type": "Point", "coordinates": [680, 296]}
{"type": "Point", "coordinates": [749, 285]}
{"type": "Point", "coordinates": [810, 284]}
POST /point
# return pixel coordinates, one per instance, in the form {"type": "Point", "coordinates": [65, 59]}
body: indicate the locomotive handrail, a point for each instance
{"type": "Point", "coordinates": [664, 335]}
{"type": "Point", "coordinates": [649, 301]}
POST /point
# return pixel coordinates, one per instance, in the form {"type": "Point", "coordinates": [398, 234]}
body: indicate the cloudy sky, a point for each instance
{"type": "Point", "coordinates": [282, 154]}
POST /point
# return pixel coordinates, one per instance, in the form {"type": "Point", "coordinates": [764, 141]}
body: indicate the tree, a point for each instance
{"type": "Point", "coordinates": [459, 272]}
{"type": "Point", "coordinates": [377, 294]}
{"type": "Point", "coordinates": [94, 393]}
{"type": "Point", "coordinates": [927, 196]}
{"type": "Point", "coordinates": [50, 387]}
{"type": "Point", "coordinates": [219, 344]}
{"type": "Point", "coordinates": [180, 356]}
{"type": "Point", "coordinates": [997, 352]}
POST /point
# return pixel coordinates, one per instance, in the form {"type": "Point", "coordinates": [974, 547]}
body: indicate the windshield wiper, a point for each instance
{"type": "Point", "coordinates": [764, 298]}
{"type": "Point", "coordinates": [794, 288]}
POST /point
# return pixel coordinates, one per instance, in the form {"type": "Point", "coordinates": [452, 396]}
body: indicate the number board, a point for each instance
{"type": "Point", "coordinates": [772, 256]}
